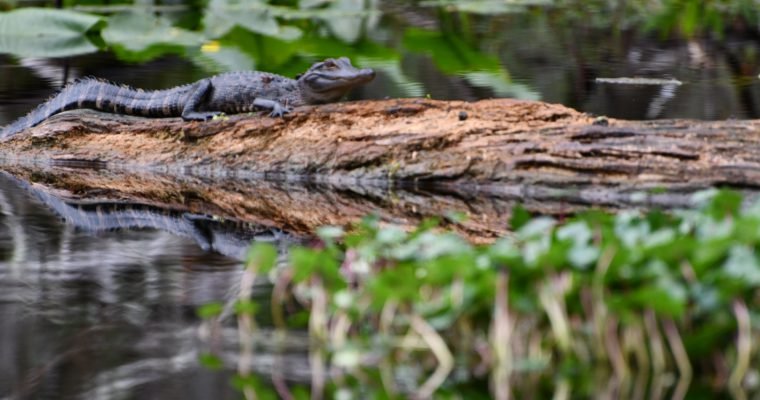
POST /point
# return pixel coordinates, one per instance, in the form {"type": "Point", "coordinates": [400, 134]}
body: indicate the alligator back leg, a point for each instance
{"type": "Point", "coordinates": [197, 99]}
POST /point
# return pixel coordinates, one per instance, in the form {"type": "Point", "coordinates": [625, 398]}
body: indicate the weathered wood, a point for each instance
{"type": "Point", "coordinates": [507, 148]}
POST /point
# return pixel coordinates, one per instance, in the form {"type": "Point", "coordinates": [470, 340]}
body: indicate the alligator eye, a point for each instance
{"type": "Point", "coordinates": [330, 65]}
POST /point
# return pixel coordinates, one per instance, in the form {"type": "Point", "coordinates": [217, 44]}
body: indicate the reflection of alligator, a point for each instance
{"type": "Point", "coordinates": [231, 93]}
{"type": "Point", "coordinates": [230, 238]}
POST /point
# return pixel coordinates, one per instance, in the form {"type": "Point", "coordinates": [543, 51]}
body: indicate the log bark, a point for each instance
{"type": "Point", "coordinates": [480, 156]}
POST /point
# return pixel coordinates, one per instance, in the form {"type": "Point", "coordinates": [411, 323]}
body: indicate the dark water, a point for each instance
{"type": "Point", "coordinates": [101, 314]}
{"type": "Point", "coordinates": [112, 313]}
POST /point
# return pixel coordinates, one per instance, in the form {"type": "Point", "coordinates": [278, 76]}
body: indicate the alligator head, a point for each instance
{"type": "Point", "coordinates": [329, 80]}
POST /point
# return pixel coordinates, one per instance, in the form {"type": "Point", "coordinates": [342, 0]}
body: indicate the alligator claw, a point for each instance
{"type": "Point", "coordinates": [279, 111]}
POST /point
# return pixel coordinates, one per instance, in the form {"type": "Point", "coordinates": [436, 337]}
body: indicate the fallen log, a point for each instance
{"type": "Point", "coordinates": [528, 151]}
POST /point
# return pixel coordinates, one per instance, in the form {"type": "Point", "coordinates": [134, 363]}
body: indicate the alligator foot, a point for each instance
{"type": "Point", "coordinates": [279, 110]}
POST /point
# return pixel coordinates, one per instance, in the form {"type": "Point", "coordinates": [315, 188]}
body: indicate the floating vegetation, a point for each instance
{"type": "Point", "coordinates": [649, 303]}
{"type": "Point", "coordinates": [640, 81]}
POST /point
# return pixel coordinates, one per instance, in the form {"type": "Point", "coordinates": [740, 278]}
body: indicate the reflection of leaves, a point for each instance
{"type": "Point", "coordinates": [450, 53]}
{"type": "Point", "coordinates": [453, 55]}
{"type": "Point", "coordinates": [36, 32]}
{"type": "Point", "coordinates": [223, 15]}
{"type": "Point", "coordinates": [349, 26]}
{"type": "Point", "coordinates": [138, 32]}
{"type": "Point", "coordinates": [695, 17]}
{"type": "Point", "coordinates": [270, 54]}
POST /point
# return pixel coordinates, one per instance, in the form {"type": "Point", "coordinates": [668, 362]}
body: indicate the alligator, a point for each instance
{"type": "Point", "coordinates": [228, 93]}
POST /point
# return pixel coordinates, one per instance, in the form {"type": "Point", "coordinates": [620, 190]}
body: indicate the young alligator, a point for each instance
{"type": "Point", "coordinates": [230, 93]}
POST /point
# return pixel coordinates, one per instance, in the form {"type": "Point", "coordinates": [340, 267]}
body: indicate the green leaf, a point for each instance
{"type": "Point", "coordinates": [576, 232]}
{"type": "Point", "coordinates": [720, 203]}
{"type": "Point", "coordinates": [536, 228]}
{"type": "Point", "coordinates": [210, 310]}
{"type": "Point", "coordinates": [211, 361]}
{"type": "Point", "coordinates": [742, 264]}
{"type": "Point", "coordinates": [254, 15]}
{"type": "Point", "coordinates": [262, 256]}
{"type": "Point", "coordinates": [254, 383]}
{"type": "Point", "coordinates": [391, 234]}
{"type": "Point", "coordinates": [138, 32]}
{"type": "Point", "coordinates": [666, 297]}
{"type": "Point", "coordinates": [246, 307]}
{"type": "Point", "coordinates": [690, 17]}
{"type": "Point", "coordinates": [710, 252]}
{"type": "Point", "coordinates": [504, 252]}
{"type": "Point", "coordinates": [303, 261]}
{"type": "Point", "coordinates": [583, 256]}
{"type": "Point", "coordinates": [40, 32]}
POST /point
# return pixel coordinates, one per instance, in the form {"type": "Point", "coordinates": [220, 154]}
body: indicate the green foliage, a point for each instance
{"type": "Point", "coordinates": [261, 256]}
{"type": "Point", "coordinates": [254, 15]}
{"type": "Point", "coordinates": [140, 32]}
{"type": "Point", "coordinates": [211, 361]}
{"type": "Point", "coordinates": [253, 383]}
{"type": "Point", "coordinates": [691, 18]}
{"type": "Point", "coordinates": [210, 310]}
{"type": "Point", "coordinates": [37, 32]}
{"type": "Point", "coordinates": [558, 281]}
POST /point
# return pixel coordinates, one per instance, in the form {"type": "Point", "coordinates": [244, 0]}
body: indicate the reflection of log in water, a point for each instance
{"type": "Point", "coordinates": [180, 203]}
{"type": "Point", "coordinates": [225, 213]}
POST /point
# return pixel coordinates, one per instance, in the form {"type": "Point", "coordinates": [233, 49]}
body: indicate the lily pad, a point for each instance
{"type": "Point", "coordinates": [40, 32]}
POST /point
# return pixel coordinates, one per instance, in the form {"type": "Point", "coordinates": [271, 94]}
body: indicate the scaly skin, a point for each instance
{"type": "Point", "coordinates": [229, 93]}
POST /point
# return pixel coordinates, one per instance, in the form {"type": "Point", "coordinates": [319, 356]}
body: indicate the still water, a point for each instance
{"type": "Point", "coordinates": [109, 311]}
{"type": "Point", "coordinates": [101, 314]}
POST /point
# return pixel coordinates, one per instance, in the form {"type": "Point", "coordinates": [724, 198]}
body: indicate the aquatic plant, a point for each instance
{"type": "Point", "coordinates": [643, 300]}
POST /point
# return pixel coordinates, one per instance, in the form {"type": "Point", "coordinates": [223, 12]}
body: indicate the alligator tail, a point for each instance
{"type": "Point", "coordinates": [101, 95]}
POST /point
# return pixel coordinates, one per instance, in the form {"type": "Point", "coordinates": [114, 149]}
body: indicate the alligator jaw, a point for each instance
{"type": "Point", "coordinates": [329, 80]}
{"type": "Point", "coordinates": [361, 77]}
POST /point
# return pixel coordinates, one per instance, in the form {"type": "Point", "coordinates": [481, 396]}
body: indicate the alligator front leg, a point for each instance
{"type": "Point", "coordinates": [278, 110]}
{"type": "Point", "coordinates": [197, 99]}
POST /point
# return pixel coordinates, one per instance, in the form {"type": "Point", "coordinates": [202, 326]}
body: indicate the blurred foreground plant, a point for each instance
{"type": "Point", "coordinates": [645, 300]}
